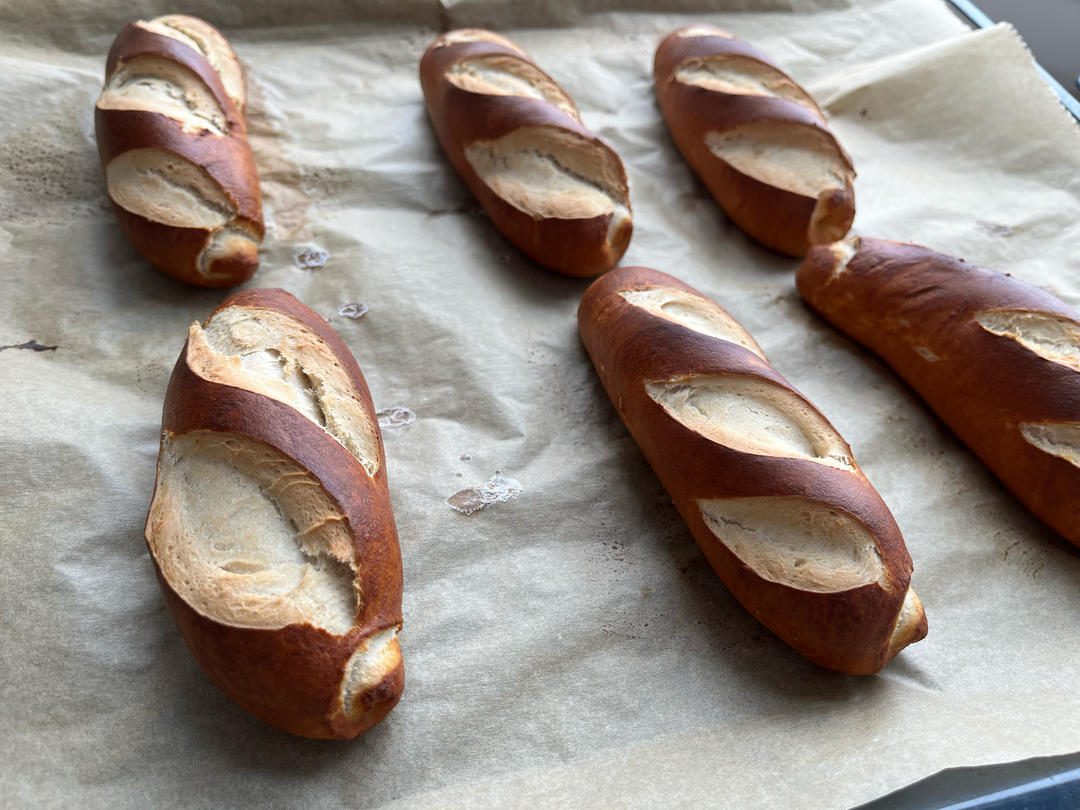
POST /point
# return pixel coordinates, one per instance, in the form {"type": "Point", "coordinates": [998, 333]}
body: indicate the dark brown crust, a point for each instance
{"type": "Point", "coordinates": [227, 159]}
{"type": "Point", "coordinates": [779, 219]}
{"type": "Point", "coordinates": [894, 298]}
{"type": "Point", "coordinates": [847, 631]}
{"type": "Point", "coordinates": [576, 247]}
{"type": "Point", "coordinates": [173, 251]}
{"type": "Point", "coordinates": [291, 677]}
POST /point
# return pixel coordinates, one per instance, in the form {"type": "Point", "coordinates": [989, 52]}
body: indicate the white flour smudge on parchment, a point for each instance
{"type": "Point", "coordinates": [395, 417]}
{"type": "Point", "coordinates": [354, 310]}
{"type": "Point", "coordinates": [311, 259]}
{"type": "Point", "coordinates": [498, 490]}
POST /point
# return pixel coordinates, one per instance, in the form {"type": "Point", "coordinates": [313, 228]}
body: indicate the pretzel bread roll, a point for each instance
{"type": "Point", "coordinates": [757, 140]}
{"type": "Point", "coordinates": [173, 144]}
{"type": "Point", "coordinates": [996, 359]}
{"type": "Point", "coordinates": [769, 489]}
{"type": "Point", "coordinates": [270, 527]}
{"type": "Point", "coordinates": [551, 187]}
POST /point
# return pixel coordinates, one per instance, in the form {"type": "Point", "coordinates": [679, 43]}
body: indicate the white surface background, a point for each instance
{"type": "Point", "coordinates": [571, 647]}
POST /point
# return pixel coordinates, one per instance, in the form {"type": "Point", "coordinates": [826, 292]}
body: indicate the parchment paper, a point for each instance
{"type": "Point", "coordinates": [570, 647]}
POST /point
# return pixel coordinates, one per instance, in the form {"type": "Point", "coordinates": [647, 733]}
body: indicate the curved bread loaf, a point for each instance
{"type": "Point", "coordinates": [756, 139]}
{"type": "Point", "coordinates": [270, 527]}
{"type": "Point", "coordinates": [767, 486]}
{"type": "Point", "coordinates": [553, 189]}
{"type": "Point", "coordinates": [173, 143]}
{"type": "Point", "coordinates": [997, 359]}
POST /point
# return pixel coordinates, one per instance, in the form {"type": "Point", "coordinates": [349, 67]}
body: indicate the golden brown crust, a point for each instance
{"type": "Point", "coordinates": [847, 630]}
{"type": "Point", "coordinates": [784, 220]}
{"type": "Point", "coordinates": [225, 157]}
{"type": "Point", "coordinates": [574, 246]}
{"type": "Point", "coordinates": [292, 676]}
{"type": "Point", "coordinates": [917, 309]}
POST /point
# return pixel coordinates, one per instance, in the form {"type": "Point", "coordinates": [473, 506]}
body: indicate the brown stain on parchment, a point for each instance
{"type": "Point", "coordinates": [279, 177]}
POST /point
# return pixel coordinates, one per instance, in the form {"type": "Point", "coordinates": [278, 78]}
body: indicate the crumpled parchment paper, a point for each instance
{"type": "Point", "coordinates": [570, 646]}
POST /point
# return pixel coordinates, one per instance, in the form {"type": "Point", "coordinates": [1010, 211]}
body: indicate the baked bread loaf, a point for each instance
{"type": "Point", "coordinates": [756, 139]}
{"type": "Point", "coordinates": [769, 489]}
{"type": "Point", "coordinates": [554, 190]}
{"type": "Point", "coordinates": [997, 359]}
{"type": "Point", "coordinates": [173, 143]}
{"type": "Point", "coordinates": [270, 527]}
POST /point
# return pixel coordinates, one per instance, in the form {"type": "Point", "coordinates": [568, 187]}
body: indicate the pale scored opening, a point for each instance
{"type": "Point", "coordinates": [1061, 439]}
{"type": "Point", "coordinates": [843, 252]}
{"type": "Point", "coordinates": [475, 35]}
{"type": "Point", "coordinates": [796, 542]}
{"type": "Point", "coordinates": [164, 187]}
{"type": "Point", "coordinates": [249, 538]}
{"type": "Point", "coordinates": [273, 354]}
{"type": "Point", "coordinates": [208, 41]}
{"type": "Point", "coordinates": [502, 75]}
{"type": "Point", "coordinates": [551, 173]}
{"type": "Point", "coordinates": [234, 242]}
{"type": "Point", "coordinates": [159, 85]}
{"type": "Point", "coordinates": [375, 658]}
{"type": "Point", "coordinates": [692, 31]}
{"type": "Point", "coordinates": [751, 415]}
{"type": "Point", "coordinates": [908, 620]}
{"type": "Point", "coordinates": [694, 312]}
{"type": "Point", "coordinates": [736, 74]}
{"type": "Point", "coordinates": [796, 158]}
{"type": "Point", "coordinates": [1052, 337]}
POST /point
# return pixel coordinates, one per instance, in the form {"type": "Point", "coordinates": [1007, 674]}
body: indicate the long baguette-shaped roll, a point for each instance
{"type": "Point", "coordinates": [173, 144]}
{"type": "Point", "coordinates": [769, 489]}
{"type": "Point", "coordinates": [271, 528]}
{"type": "Point", "coordinates": [756, 139]}
{"type": "Point", "coordinates": [997, 359]}
{"type": "Point", "coordinates": [556, 191]}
